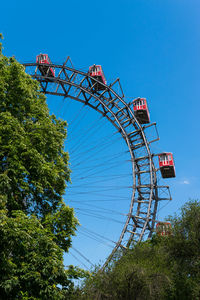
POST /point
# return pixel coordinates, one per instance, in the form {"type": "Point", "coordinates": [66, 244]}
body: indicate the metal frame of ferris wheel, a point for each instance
{"type": "Point", "coordinates": [146, 193]}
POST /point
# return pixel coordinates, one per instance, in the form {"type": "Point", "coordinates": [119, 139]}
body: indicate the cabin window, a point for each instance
{"type": "Point", "coordinates": [137, 103]}
{"type": "Point", "coordinates": [163, 158]}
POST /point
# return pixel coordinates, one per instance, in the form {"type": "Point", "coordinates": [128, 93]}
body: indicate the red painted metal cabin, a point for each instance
{"type": "Point", "coordinates": [141, 111]}
{"type": "Point", "coordinates": [166, 165]}
{"type": "Point", "coordinates": [45, 70]}
{"type": "Point", "coordinates": [97, 72]}
{"type": "Point", "coordinates": [163, 228]}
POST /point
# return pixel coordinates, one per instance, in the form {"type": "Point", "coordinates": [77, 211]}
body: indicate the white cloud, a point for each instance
{"type": "Point", "coordinates": [186, 182]}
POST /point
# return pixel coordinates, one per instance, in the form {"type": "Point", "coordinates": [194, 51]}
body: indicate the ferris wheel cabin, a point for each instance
{"type": "Point", "coordinates": [45, 70]}
{"type": "Point", "coordinates": [96, 72]}
{"type": "Point", "coordinates": [141, 111]}
{"type": "Point", "coordinates": [166, 165]}
{"type": "Point", "coordinates": [163, 228]}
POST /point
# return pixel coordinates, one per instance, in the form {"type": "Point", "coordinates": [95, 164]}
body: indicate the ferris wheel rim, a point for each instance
{"type": "Point", "coordinates": [153, 195]}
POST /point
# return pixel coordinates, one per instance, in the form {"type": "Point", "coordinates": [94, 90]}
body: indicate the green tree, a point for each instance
{"type": "Point", "coordinates": [31, 262]}
{"type": "Point", "coordinates": [141, 273]}
{"type": "Point", "coordinates": [183, 249]}
{"type": "Point", "coordinates": [1, 37]}
{"type": "Point", "coordinates": [164, 268]}
{"type": "Point", "coordinates": [36, 226]}
{"type": "Point", "coordinates": [33, 164]}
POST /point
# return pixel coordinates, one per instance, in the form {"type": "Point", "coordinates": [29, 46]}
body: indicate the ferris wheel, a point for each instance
{"type": "Point", "coordinates": [131, 124]}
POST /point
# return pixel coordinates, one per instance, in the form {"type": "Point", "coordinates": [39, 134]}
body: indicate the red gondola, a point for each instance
{"type": "Point", "coordinates": [163, 228]}
{"type": "Point", "coordinates": [166, 164]}
{"type": "Point", "coordinates": [45, 70]}
{"type": "Point", "coordinates": [97, 72]}
{"type": "Point", "coordinates": [141, 111]}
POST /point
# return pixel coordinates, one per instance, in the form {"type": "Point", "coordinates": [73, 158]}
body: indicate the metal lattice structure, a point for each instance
{"type": "Point", "coordinates": [146, 193]}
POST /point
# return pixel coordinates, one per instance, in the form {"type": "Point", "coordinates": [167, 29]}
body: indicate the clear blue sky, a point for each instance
{"type": "Point", "coordinates": [152, 45]}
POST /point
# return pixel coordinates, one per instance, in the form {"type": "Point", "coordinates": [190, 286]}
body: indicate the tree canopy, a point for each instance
{"type": "Point", "coordinates": [31, 262]}
{"type": "Point", "coordinates": [36, 226]}
{"type": "Point", "coordinates": [33, 164]}
{"type": "Point", "coordinates": [164, 268]}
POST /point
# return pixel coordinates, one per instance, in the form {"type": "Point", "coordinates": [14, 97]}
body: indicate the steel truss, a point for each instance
{"type": "Point", "coordinates": [146, 193]}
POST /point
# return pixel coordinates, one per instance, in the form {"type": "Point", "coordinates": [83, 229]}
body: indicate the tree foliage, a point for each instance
{"type": "Point", "coordinates": [161, 268]}
{"type": "Point", "coordinates": [33, 163]}
{"type": "Point", "coordinates": [36, 226]}
{"type": "Point", "coordinates": [31, 262]}
{"type": "Point", "coordinates": [184, 248]}
{"type": "Point", "coordinates": [1, 37]}
{"type": "Point", "coordinates": [62, 224]}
